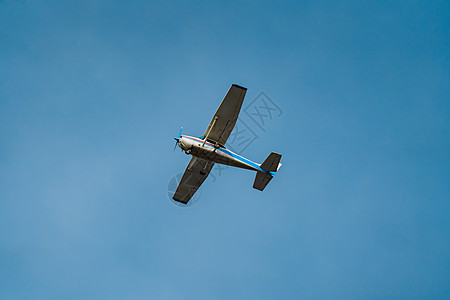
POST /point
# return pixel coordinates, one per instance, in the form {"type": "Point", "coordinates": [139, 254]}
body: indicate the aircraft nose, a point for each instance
{"type": "Point", "coordinates": [180, 143]}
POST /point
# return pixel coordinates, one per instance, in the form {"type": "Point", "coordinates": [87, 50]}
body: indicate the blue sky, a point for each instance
{"type": "Point", "coordinates": [93, 92]}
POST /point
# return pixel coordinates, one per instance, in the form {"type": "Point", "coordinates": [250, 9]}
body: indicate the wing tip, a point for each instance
{"type": "Point", "coordinates": [239, 86]}
{"type": "Point", "coordinates": [180, 201]}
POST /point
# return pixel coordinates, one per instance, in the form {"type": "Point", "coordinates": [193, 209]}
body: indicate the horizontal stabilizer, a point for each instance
{"type": "Point", "coordinates": [261, 180]}
{"type": "Point", "coordinates": [272, 162]}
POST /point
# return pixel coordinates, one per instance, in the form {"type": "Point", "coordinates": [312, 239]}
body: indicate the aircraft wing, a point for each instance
{"type": "Point", "coordinates": [192, 179]}
{"type": "Point", "coordinates": [226, 115]}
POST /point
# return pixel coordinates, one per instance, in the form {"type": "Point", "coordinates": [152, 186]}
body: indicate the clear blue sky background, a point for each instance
{"type": "Point", "coordinates": [93, 92]}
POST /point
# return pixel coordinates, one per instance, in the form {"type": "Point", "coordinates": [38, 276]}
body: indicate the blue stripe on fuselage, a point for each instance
{"type": "Point", "coordinates": [245, 161]}
{"type": "Point", "coordinates": [242, 159]}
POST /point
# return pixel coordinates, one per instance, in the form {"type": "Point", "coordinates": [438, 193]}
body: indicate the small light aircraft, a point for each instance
{"type": "Point", "coordinates": [210, 149]}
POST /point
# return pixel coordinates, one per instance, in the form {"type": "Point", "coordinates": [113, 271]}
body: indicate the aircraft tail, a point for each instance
{"type": "Point", "coordinates": [270, 166]}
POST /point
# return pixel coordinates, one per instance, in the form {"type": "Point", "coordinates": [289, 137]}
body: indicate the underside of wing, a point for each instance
{"type": "Point", "coordinates": [194, 175]}
{"type": "Point", "coordinates": [226, 115]}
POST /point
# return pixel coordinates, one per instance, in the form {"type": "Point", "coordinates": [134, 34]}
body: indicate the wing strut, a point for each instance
{"type": "Point", "coordinates": [209, 131]}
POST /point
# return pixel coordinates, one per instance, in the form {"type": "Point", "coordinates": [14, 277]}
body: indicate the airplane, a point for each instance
{"type": "Point", "coordinates": [210, 149]}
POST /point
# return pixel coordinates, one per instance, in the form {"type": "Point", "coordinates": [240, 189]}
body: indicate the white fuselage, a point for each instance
{"type": "Point", "coordinates": [215, 153]}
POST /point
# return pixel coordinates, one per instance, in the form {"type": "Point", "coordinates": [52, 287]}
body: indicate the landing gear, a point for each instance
{"type": "Point", "coordinates": [188, 151]}
{"type": "Point", "coordinates": [203, 171]}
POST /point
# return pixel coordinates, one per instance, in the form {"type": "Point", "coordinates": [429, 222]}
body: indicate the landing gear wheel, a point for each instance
{"type": "Point", "coordinates": [202, 172]}
{"type": "Point", "coordinates": [188, 151]}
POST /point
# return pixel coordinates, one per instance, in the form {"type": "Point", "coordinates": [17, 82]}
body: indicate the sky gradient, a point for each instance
{"type": "Point", "coordinates": [93, 92]}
